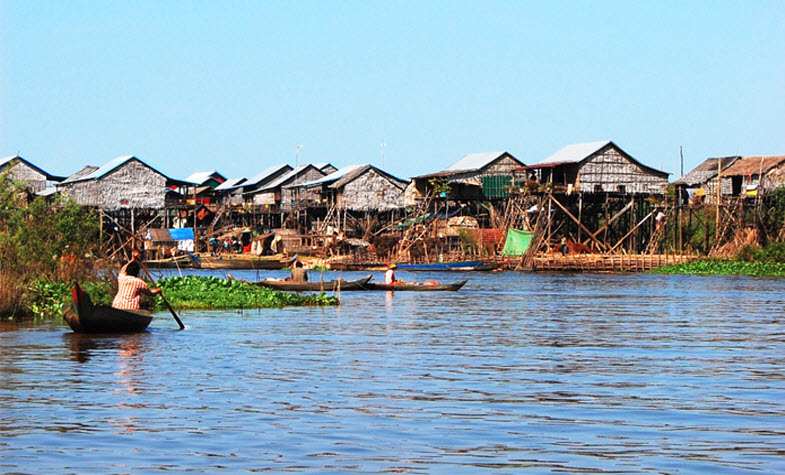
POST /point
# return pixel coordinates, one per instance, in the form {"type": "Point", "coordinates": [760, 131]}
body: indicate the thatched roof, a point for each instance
{"type": "Point", "coordinates": [705, 171]}
{"type": "Point", "coordinates": [747, 166]}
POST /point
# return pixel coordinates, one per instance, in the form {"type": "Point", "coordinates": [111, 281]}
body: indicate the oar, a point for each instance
{"type": "Point", "coordinates": [166, 302]}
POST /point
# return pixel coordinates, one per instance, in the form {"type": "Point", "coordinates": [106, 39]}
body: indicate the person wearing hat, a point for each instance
{"type": "Point", "coordinates": [389, 276]}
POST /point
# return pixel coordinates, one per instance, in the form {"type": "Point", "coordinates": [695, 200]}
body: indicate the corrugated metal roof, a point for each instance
{"type": "Point", "coordinates": [264, 174]}
{"type": "Point", "coordinates": [475, 161]}
{"type": "Point", "coordinates": [47, 192]}
{"type": "Point", "coordinates": [574, 153]}
{"type": "Point", "coordinates": [333, 177]}
{"type": "Point", "coordinates": [86, 170]}
{"type": "Point", "coordinates": [5, 160]}
{"type": "Point", "coordinates": [230, 183]}
{"type": "Point", "coordinates": [106, 167]}
{"type": "Point", "coordinates": [201, 177]}
{"type": "Point", "coordinates": [287, 176]}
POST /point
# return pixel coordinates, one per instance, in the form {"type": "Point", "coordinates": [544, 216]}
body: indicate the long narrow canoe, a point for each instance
{"type": "Point", "coordinates": [449, 266]}
{"type": "Point", "coordinates": [327, 285]}
{"type": "Point", "coordinates": [85, 317]}
{"type": "Point", "coordinates": [415, 286]}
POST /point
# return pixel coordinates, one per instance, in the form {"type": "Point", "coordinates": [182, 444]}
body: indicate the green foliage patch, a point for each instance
{"type": "Point", "coordinates": [720, 267]}
{"type": "Point", "coordinates": [200, 292]}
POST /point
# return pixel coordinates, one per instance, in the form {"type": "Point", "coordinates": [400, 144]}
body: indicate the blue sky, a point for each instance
{"type": "Point", "coordinates": [237, 85]}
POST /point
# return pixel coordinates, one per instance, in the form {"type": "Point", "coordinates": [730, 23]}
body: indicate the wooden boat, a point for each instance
{"type": "Point", "coordinates": [179, 262]}
{"type": "Point", "coordinates": [85, 317]}
{"type": "Point", "coordinates": [415, 286]}
{"type": "Point", "coordinates": [449, 266]}
{"type": "Point", "coordinates": [242, 261]}
{"type": "Point", "coordinates": [327, 285]}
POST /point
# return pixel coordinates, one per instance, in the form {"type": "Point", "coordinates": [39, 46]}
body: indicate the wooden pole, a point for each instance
{"type": "Point", "coordinates": [571, 216]}
{"type": "Point", "coordinates": [719, 198]}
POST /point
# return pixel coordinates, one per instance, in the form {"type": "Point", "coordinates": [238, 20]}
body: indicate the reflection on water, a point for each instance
{"type": "Point", "coordinates": [572, 373]}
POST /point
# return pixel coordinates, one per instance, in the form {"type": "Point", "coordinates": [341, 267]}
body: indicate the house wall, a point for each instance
{"type": "Point", "coordinates": [133, 185]}
{"type": "Point", "coordinates": [610, 170]}
{"type": "Point", "coordinates": [290, 196]}
{"type": "Point", "coordinates": [34, 180]}
{"type": "Point", "coordinates": [371, 191]}
{"type": "Point", "coordinates": [503, 166]}
{"type": "Point", "coordinates": [774, 178]}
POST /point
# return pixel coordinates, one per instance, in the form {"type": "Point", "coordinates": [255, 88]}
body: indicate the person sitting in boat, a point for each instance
{"type": "Point", "coordinates": [389, 276]}
{"type": "Point", "coordinates": [130, 288]}
{"type": "Point", "coordinates": [299, 274]}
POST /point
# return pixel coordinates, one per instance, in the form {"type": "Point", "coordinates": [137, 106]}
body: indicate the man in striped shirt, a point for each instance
{"type": "Point", "coordinates": [130, 288]}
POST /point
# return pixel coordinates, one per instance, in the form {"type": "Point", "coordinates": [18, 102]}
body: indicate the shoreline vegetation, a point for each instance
{"type": "Point", "coordinates": [49, 300]}
{"type": "Point", "coordinates": [721, 267]}
{"type": "Point", "coordinates": [754, 261]}
{"type": "Point", "coordinates": [46, 245]}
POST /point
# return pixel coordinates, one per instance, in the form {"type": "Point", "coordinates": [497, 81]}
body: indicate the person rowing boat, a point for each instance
{"type": "Point", "coordinates": [130, 288]}
{"type": "Point", "coordinates": [389, 276]}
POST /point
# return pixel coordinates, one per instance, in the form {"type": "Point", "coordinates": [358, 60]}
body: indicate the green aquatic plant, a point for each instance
{"type": "Point", "coordinates": [724, 267]}
{"type": "Point", "coordinates": [46, 299]}
{"type": "Point", "coordinates": [201, 292]}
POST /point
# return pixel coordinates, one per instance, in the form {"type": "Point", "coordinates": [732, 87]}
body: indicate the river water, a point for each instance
{"type": "Point", "coordinates": [516, 372]}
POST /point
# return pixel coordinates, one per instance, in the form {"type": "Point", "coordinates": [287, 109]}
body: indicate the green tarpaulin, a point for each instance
{"type": "Point", "coordinates": [517, 242]}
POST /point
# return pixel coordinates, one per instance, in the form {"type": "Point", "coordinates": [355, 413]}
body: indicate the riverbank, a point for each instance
{"type": "Point", "coordinates": [724, 268]}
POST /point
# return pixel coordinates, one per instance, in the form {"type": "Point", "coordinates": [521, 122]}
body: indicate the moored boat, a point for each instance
{"type": "Point", "coordinates": [449, 266]}
{"type": "Point", "coordinates": [85, 317]}
{"type": "Point", "coordinates": [415, 286]}
{"type": "Point", "coordinates": [327, 285]}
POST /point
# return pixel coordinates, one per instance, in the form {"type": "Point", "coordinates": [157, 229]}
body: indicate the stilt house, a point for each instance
{"type": "Point", "coordinates": [34, 178]}
{"type": "Point", "coordinates": [477, 176]}
{"type": "Point", "coordinates": [125, 182]}
{"type": "Point", "coordinates": [599, 167]}
{"type": "Point", "coordinates": [233, 195]}
{"type": "Point", "coordinates": [701, 182]}
{"type": "Point", "coordinates": [358, 188]}
{"type": "Point", "coordinates": [279, 194]}
{"type": "Point", "coordinates": [754, 175]}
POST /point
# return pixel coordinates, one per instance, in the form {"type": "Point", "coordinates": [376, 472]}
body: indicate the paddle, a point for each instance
{"type": "Point", "coordinates": [166, 302]}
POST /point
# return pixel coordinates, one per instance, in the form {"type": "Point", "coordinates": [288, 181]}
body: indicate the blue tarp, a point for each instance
{"type": "Point", "coordinates": [182, 234]}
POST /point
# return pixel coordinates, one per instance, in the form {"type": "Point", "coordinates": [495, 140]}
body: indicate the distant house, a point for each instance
{"type": "Point", "coordinates": [124, 182]}
{"type": "Point", "coordinates": [84, 171]}
{"type": "Point", "coordinates": [21, 170]}
{"type": "Point", "coordinates": [232, 194]}
{"type": "Point", "coordinates": [230, 184]}
{"type": "Point", "coordinates": [702, 180]}
{"type": "Point", "coordinates": [753, 174]}
{"type": "Point", "coordinates": [599, 167]}
{"type": "Point", "coordinates": [280, 193]}
{"type": "Point", "coordinates": [326, 167]}
{"type": "Point", "coordinates": [358, 188]}
{"type": "Point", "coordinates": [208, 178]}
{"type": "Point", "coordinates": [486, 175]}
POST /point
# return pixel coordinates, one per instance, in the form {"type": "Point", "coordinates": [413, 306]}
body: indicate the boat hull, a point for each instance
{"type": "Point", "coordinates": [407, 287]}
{"type": "Point", "coordinates": [326, 286]}
{"type": "Point", "coordinates": [84, 317]}
{"type": "Point", "coordinates": [464, 266]}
